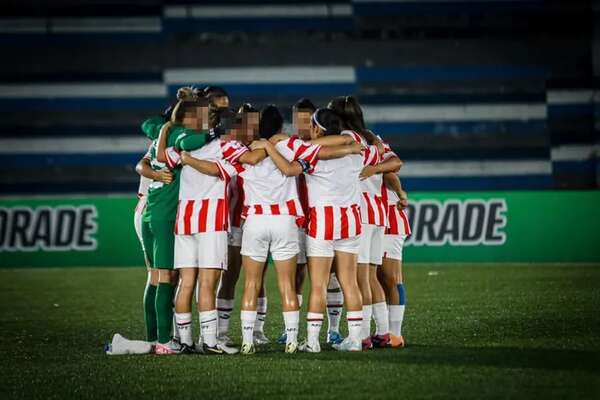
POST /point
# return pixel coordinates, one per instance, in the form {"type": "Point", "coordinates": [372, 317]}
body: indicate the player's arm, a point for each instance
{"type": "Point", "coordinates": [392, 164]}
{"type": "Point", "coordinates": [191, 140]}
{"type": "Point", "coordinates": [331, 152]}
{"type": "Point", "coordinates": [206, 167]}
{"type": "Point", "coordinates": [392, 182]}
{"type": "Point", "coordinates": [288, 168]}
{"type": "Point", "coordinates": [333, 140]}
{"type": "Point", "coordinates": [144, 169]}
{"type": "Point", "coordinates": [253, 157]}
{"type": "Point", "coordinates": [163, 137]}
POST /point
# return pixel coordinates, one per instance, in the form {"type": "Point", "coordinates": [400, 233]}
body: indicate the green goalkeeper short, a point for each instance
{"type": "Point", "coordinates": [159, 242]}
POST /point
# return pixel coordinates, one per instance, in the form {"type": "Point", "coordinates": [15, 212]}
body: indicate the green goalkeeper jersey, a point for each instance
{"type": "Point", "coordinates": [162, 199]}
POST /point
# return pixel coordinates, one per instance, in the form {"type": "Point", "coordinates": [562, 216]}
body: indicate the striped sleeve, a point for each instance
{"type": "Point", "coordinates": [304, 150]}
{"type": "Point", "coordinates": [232, 150]}
{"type": "Point", "coordinates": [387, 152]}
{"type": "Point", "coordinates": [173, 157]}
{"type": "Point", "coordinates": [371, 155]}
{"type": "Point", "coordinates": [229, 170]}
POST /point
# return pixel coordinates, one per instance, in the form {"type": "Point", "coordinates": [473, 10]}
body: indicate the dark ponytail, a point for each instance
{"type": "Point", "coordinates": [329, 122]}
{"type": "Point", "coordinates": [348, 108]}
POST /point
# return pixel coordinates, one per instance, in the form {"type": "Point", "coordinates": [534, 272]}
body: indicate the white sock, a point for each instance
{"type": "Point", "coordinates": [184, 326]}
{"type": "Point", "coordinates": [261, 314]}
{"type": "Point", "coordinates": [396, 318]}
{"type": "Point", "coordinates": [366, 323]}
{"type": "Point", "coordinates": [292, 320]}
{"type": "Point", "coordinates": [381, 317]}
{"type": "Point", "coordinates": [208, 327]}
{"type": "Point", "coordinates": [225, 308]}
{"type": "Point", "coordinates": [300, 298]}
{"type": "Point", "coordinates": [355, 321]}
{"type": "Point", "coordinates": [335, 302]}
{"type": "Point", "coordinates": [314, 321]}
{"type": "Point", "coordinates": [248, 320]}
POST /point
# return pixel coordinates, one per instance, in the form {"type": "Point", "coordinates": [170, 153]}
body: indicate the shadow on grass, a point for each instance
{"type": "Point", "coordinates": [498, 357]}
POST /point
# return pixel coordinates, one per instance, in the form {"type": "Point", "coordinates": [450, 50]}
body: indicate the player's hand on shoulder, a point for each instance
{"type": "Point", "coordinates": [164, 176]}
{"type": "Point", "coordinates": [259, 144]}
{"type": "Point", "coordinates": [355, 148]}
{"type": "Point", "coordinates": [367, 172]}
{"type": "Point", "coordinates": [278, 138]}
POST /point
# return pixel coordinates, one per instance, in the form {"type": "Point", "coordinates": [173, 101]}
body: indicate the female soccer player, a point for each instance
{"type": "Point", "coordinates": [373, 215]}
{"type": "Point", "coordinates": [333, 228]}
{"type": "Point", "coordinates": [225, 297]}
{"type": "Point", "coordinates": [161, 211]}
{"type": "Point", "coordinates": [397, 230]}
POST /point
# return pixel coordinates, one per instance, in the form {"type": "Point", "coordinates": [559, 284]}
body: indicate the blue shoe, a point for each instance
{"type": "Point", "coordinates": [334, 337]}
{"type": "Point", "coordinates": [283, 338]}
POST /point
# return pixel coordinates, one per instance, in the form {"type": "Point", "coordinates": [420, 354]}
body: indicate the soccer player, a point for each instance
{"type": "Point", "coordinates": [226, 293]}
{"type": "Point", "coordinates": [201, 227]}
{"type": "Point", "coordinates": [373, 215]}
{"type": "Point", "coordinates": [334, 223]}
{"type": "Point", "coordinates": [397, 230]}
{"type": "Point", "coordinates": [161, 210]}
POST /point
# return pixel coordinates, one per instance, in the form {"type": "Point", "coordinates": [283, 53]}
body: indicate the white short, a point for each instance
{"type": "Point", "coordinates": [392, 246]}
{"type": "Point", "coordinates": [201, 250]}
{"type": "Point", "coordinates": [234, 237]}
{"type": "Point", "coordinates": [137, 224]}
{"type": "Point", "coordinates": [327, 248]}
{"type": "Point", "coordinates": [302, 246]}
{"type": "Point", "coordinates": [277, 234]}
{"type": "Point", "coordinates": [371, 244]}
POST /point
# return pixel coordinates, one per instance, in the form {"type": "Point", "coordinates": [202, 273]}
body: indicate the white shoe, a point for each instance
{"type": "Point", "coordinates": [225, 340]}
{"type": "Point", "coordinates": [260, 338]}
{"type": "Point", "coordinates": [308, 347]}
{"type": "Point", "coordinates": [291, 347]}
{"type": "Point", "coordinates": [348, 345]}
{"type": "Point", "coordinates": [227, 349]}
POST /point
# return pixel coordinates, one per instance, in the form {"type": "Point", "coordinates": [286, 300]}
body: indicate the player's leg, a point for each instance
{"type": "Point", "coordinates": [335, 302]}
{"type": "Point", "coordinates": [284, 250]}
{"type": "Point", "coordinates": [164, 258]}
{"type": "Point", "coordinates": [364, 281]}
{"type": "Point", "coordinates": [346, 271]}
{"type": "Point", "coordinates": [255, 248]}
{"type": "Point", "coordinates": [380, 310]}
{"type": "Point", "coordinates": [185, 290]}
{"type": "Point", "coordinates": [320, 257]}
{"type": "Point", "coordinates": [261, 313]}
{"type": "Point", "coordinates": [229, 279]}
{"type": "Point", "coordinates": [392, 280]}
{"type": "Point", "coordinates": [151, 283]}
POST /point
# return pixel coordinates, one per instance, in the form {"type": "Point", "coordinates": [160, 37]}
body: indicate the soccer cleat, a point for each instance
{"type": "Point", "coordinates": [248, 348]}
{"type": "Point", "coordinates": [260, 338]}
{"type": "Point", "coordinates": [228, 349]}
{"type": "Point", "coordinates": [283, 338]}
{"type": "Point", "coordinates": [367, 343]}
{"type": "Point", "coordinates": [396, 342]}
{"type": "Point", "coordinates": [212, 350]}
{"type": "Point", "coordinates": [334, 337]}
{"type": "Point", "coordinates": [381, 341]}
{"type": "Point", "coordinates": [291, 348]}
{"type": "Point", "coordinates": [308, 347]}
{"type": "Point", "coordinates": [348, 345]}
{"type": "Point", "coordinates": [225, 340]}
{"type": "Point", "coordinates": [170, 348]}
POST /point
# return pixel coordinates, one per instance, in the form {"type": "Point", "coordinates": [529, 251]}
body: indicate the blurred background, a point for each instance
{"type": "Point", "coordinates": [479, 95]}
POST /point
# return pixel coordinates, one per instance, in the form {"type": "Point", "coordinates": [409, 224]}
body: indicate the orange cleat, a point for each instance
{"type": "Point", "coordinates": [396, 342]}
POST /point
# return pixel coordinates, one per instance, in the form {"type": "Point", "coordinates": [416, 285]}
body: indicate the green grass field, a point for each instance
{"type": "Point", "coordinates": [477, 331]}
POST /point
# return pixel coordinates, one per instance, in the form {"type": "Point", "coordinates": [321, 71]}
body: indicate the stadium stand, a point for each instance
{"type": "Point", "coordinates": [512, 105]}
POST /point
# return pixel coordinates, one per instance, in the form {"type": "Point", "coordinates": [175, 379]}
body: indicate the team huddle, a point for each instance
{"type": "Point", "coordinates": [223, 190]}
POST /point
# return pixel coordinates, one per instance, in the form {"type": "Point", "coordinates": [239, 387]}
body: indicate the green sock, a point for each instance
{"type": "Point", "coordinates": [164, 311]}
{"type": "Point", "coordinates": [150, 312]}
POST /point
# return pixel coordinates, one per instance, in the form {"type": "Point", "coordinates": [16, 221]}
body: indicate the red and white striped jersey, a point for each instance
{"type": "Point", "coordinates": [268, 191]}
{"type": "Point", "coordinates": [397, 220]}
{"type": "Point", "coordinates": [334, 196]}
{"type": "Point", "coordinates": [236, 201]}
{"type": "Point", "coordinates": [145, 182]}
{"type": "Point", "coordinates": [371, 206]}
{"type": "Point", "coordinates": [203, 203]}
